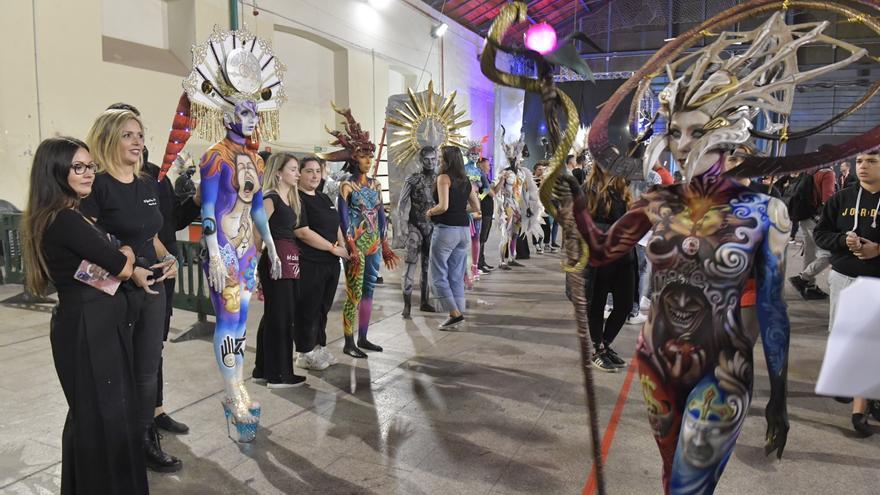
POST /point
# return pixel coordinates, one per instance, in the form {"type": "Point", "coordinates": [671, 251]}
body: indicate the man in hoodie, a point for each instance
{"type": "Point", "coordinates": [848, 229]}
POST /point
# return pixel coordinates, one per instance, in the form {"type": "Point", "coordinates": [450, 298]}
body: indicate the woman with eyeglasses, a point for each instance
{"type": "Point", "coordinates": [125, 202]}
{"type": "Point", "coordinates": [100, 447]}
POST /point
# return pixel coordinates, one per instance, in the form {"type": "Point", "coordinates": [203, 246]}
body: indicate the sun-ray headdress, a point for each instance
{"type": "Point", "coordinates": [353, 139]}
{"type": "Point", "coordinates": [229, 68]}
{"type": "Point", "coordinates": [427, 119]}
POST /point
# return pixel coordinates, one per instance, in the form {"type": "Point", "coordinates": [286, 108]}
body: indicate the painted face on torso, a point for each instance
{"type": "Point", "coordinates": [247, 178]}
{"type": "Point", "coordinates": [702, 251]}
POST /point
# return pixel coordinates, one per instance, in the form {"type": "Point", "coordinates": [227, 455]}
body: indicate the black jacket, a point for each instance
{"type": "Point", "coordinates": [177, 212]}
{"type": "Point", "coordinates": [837, 219]}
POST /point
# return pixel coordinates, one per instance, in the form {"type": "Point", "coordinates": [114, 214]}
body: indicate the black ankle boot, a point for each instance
{"type": "Point", "coordinates": [158, 460]}
{"type": "Point", "coordinates": [363, 343]}
{"type": "Point", "coordinates": [351, 349]}
{"type": "Point", "coordinates": [407, 306]}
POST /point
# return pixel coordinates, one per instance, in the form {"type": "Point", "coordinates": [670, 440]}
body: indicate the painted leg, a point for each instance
{"type": "Point", "coordinates": [229, 343]}
{"type": "Point", "coordinates": [354, 285]}
{"type": "Point", "coordinates": [408, 282]}
{"type": "Point", "coordinates": [365, 309]}
{"type": "Point", "coordinates": [475, 249]}
{"type": "Point", "coordinates": [426, 305]}
{"type": "Point", "coordinates": [664, 411]}
{"type": "Point", "coordinates": [713, 419]}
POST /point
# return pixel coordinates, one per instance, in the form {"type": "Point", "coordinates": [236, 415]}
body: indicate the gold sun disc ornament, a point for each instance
{"type": "Point", "coordinates": [427, 119]}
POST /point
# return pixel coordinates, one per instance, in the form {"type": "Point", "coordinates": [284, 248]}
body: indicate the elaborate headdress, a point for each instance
{"type": "Point", "coordinates": [427, 119]}
{"type": "Point", "coordinates": [731, 90]}
{"type": "Point", "coordinates": [473, 146]}
{"type": "Point", "coordinates": [353, 141]}
{"type": "Point", "coordinates": [513, 150]}
{"type": "Point", "coordinates": [229, 68]}
{"type": "Point", "coordinates": [760, 76]}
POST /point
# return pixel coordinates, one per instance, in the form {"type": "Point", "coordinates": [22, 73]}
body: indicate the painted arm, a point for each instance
{"type": "Point", "coordinates": [403, 207]}
{"type": "Point", "coordinates": [605, 247]}
{"type": "Point", "coordinates": [773, 318]}
{"type": "Point", "coordinates": [261, 221]}
{"type": "Point", "coordinates": [211, 170]}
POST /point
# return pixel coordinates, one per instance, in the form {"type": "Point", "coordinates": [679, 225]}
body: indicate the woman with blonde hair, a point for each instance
{"type": "Point", "coordinates": [100, 445]}
{"type": "Point", "coordinates": [274, 360]}
{"type": "Point", "coordinates": [125, 203]}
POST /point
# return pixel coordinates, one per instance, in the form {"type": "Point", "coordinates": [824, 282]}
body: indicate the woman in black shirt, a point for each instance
{"type": "Point", "coordinates": [451, 237]}
{"type": "Point", "coordinates": [100, 447]}
{"type": "Point", "coordinates": [125, 203]}
{"type": "Point", "coordinates": [321, 246]}
{"type": "Point", "coordinates": [274, 361]}
{"type": "Point", "coordinates": [608, 199]}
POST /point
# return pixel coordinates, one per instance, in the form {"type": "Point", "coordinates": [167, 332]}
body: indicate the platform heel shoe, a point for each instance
{"type": "Point", "coordinates": [242, 416]}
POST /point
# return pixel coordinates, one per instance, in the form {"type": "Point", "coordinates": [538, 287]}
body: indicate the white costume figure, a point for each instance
{"type": "Point", "coordinates": [517, 206]}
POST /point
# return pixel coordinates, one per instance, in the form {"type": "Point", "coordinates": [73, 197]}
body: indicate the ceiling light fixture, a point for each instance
{"type": "Point", "coordinates": [439, 30]}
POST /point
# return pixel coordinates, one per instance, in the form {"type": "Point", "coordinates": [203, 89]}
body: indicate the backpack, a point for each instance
{"type": "Point", "coordinates": [800, 198]}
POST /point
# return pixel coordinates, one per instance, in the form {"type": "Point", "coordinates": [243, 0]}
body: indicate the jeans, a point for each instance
{"type": "Point", "coordinates": [815, 258]}
{"type": "Point", "coordinates": [449, 245]}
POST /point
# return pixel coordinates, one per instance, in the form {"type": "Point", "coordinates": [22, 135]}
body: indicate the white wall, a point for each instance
{"type": "Point", "coordinates": [148, 21]}
{"type": "Point", "coordinates": [61, 83]}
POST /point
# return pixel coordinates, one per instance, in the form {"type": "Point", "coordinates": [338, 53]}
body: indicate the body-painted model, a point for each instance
{"type": "Point", "coordinates": [235, 102]}
{"type": "Point", "coordinates": [710, 233]}
{"type": "Point", "coordinates": [363, 223]}
{"type": "Point", "coordinates": [475, 176]}
{"type": "Point", "coordinates": [518, 209]}
{"type": "Point", "coordinates": [416, 198]}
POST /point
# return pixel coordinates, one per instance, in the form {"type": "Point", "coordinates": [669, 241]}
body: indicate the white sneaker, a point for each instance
{"type": "Point", "coordinates": [644, 304]}
{"type": "Point", "coordinates": [327, 355]}
{"type": "Point", "coordinates": [539, 249]}
{"type": "Point", "coordinates": [637, 319]}
{"type": "Point", "coordinates": [311, 360]}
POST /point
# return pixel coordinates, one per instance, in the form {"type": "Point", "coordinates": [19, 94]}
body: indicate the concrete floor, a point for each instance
{"type": "Point", "coordinates": [496, 408]}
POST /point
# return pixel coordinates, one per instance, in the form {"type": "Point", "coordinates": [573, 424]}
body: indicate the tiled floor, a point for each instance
{"type": "Point", "coordinates": [495, 408]}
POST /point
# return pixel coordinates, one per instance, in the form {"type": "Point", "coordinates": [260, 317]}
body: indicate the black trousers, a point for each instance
{"type": "Point", "coordinates": [101, 449]}
{"type": "Point", "coordinates": [274, 360]}
{"type": "Point", "coordinates": [170, 283]}
{"type": "Point", "coordinates": [485, 228]}
{"type": "Point", "coordinates": [318, 282]}
{"type": "Point", "coordinates": [618, 280]}
{"type": "Point", "coordinates": [146, 313]}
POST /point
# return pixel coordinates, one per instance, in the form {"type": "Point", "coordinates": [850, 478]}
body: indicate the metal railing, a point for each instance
{"type": "Point", "coordinates": [190, 293]}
